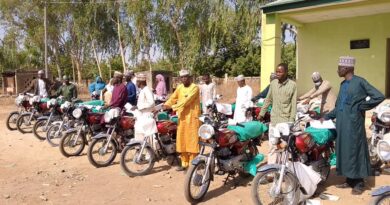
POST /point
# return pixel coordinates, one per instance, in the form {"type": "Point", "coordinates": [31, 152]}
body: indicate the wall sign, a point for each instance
{"type": "Point", "coordinates": [360, 44]}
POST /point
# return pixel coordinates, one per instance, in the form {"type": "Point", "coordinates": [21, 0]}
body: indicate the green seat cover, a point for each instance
{"type": "Point", "coordinates": [321, 136]}
{"type": "Point", "coordinates": [251, 166]}
{"type": "Point", "coordinates": [261, 105]}
{"type": "Point", "coordinates": [44, 100]}
{"type": "Point", "coordinates": [250, 130]}
{"type": "Point", "coordinates": [175, 119]}
{"type": "Point", "coordinates": [162, 116]}
{"type": "Point", "coordinates": [233, 107]}
{"type": "Point", "coordinates": [333, 159]}
{"type": "Point", "coordinates": [93, 103]}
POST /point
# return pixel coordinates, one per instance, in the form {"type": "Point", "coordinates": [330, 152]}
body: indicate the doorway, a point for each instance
{"type": "Point", "coordinates": [387, 90]}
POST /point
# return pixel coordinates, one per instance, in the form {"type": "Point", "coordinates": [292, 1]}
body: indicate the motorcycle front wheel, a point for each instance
{"type": "Point", "coordinates": [24, 124]}
{"type": "Point", "coordinates": [194, 189]}
{"type": "Point", "coordinates": [11, 121]}
{"type": "Point", "coordinates": [98, 155]}
{"type": "Point", "coordinates": [381, 200]}
{"type": "Point", "coordinates": [40, 129]}
{"type": "Point", "coordinates": [264, 188]}
{"type": "Point", "coordinates": [135, 163]}
{"type": "Point", "coordinates": [72, 144]}
{"type": "Point", "coordinates": [54, 135]}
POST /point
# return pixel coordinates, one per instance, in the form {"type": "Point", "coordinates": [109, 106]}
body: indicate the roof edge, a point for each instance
{"type": "Point", "coordinates": [281, 6]}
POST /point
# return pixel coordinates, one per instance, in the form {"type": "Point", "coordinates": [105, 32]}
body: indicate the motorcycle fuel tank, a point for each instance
{"type": "Point", "coordinates": [304, 142]}
{"type": "Point", "coordinates": [166, 127]}
{"type": "Point", "coordinates": [226, 137]}
{"type": "Point", "coordinates": [126, 122]}
{"type": "Point", "coordinates": [94, 118]}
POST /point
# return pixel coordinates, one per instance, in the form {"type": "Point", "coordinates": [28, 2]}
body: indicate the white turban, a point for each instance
{"type": "Point", "coordinates": [41, 72]}
{"type": "Point", "coordinates": [184, 72]}
{"type": "Point", "coordinates": [316, 76]}
{"type": "Point", "coordinates": [141, 77]}
{"type": "Point", "coordinates": [117, 74]}
{"type": "Point", "coordinates": [239, 78]}
{"type": "Point", "coordinates": [347, 61]}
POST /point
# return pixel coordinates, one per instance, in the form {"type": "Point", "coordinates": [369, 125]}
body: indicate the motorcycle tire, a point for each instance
{"type": "Point", "coordinates": [50, 135]}
{"type": "Point", "coordinates": [130, 172]}
{"type": "Point", "coordinates": [69, 138]}
{"type": "Point", "coordinates": [40, 125]}
{"type": "Point", "coordinates": [96, 163]}
{"type": "Point", "coordinates": [21, 121]}
{"type": "Point", "coordinates": [11, 121]}
{"type": "Point", "coordinates": [198, 179]}
{"type": "Point", "coordinates": [260, 180]}
{"type": "Point", "coordinates": [383, 199]}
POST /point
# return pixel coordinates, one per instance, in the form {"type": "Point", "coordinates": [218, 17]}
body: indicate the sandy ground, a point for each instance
{"type": "Point", "coordinates": [33, 172]}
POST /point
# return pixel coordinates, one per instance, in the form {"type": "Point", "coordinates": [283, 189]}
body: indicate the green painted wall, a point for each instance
{"type": "Point", "coordinates": [320, 45]}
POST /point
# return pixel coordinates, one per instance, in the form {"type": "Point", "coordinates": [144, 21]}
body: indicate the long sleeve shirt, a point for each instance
{"type": "Point", "coordinates": [145, 101]}
{"type": "Point", "coordinates": [263, 94]}
{"type": "Point", "coordinates": [283, 98]}
{"type": "Point", "coordinates": [131, 93]}
{"type": "Point", "coordinates": [119, 96]}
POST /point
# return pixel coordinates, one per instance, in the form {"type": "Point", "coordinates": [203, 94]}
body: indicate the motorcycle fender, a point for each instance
{"type": "Point", "coordinates": [43, 118]}
{"type": "Point", "coordinates": [70, 130]}
{"type": "Point", "coordinates": [198, 159]}
{"type": "Point", "coordinates": [381, 190]}
{"type": "Point", "coordinates": [268, 167]}
{"type": "Point", "coordinates": [101, 135]}
{"type": "Point", "coordinates": [56, 122]}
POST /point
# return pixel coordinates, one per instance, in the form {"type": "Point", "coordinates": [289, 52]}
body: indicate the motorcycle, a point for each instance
{"type": "Point", "coordinates": [381, 196]}
{"type": "Point", "coordinates": [87, 124]}
{"type": "Point", "coordinates": [105, 145]}
{"type": "Point", "coordinates": [22, 102]}
{"type": "Point", "coordinates": [43, 123]}
{"type": "Point", "coordinates": [57, 128]}
{"type": "Point", "coordinates": [380, 130]}
{"type": "Point", "coordinates": [150, 150]}
{"type": "Point", "coordinates": [281, 183]}
{"type": "Point", "coordinates": [228, 153]}
{"type": "Point", "coordinates": [25, 121]}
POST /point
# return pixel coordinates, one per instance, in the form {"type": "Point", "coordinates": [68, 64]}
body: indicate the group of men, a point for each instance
{"type": "Point", "coordinates": [355, 97]}
{"type": "Point", "coordinates": [42, 87]}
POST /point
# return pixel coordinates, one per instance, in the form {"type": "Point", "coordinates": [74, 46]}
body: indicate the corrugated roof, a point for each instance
{"type": "Point", "coordinates": [281, 5]}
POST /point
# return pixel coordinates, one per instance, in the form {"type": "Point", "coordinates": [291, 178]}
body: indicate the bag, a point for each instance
{"type": "Point", "coordinates": [250, 130]}
{"type": "Point", "coordinates": [321, 136]}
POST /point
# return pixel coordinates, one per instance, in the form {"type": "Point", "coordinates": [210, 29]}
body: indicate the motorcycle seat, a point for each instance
{"type": "Point", "coordinates": [249, 130]}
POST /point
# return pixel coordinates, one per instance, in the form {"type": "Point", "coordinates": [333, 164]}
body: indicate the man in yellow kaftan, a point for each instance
{"type": "Point", "coordinates": [185, 101]}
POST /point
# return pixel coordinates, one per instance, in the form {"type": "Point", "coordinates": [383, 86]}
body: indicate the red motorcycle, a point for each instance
{"type": "Point", "coordinates": [138, 157]}
{"type": "Point", "coordinates": [105, 145]}
{"type": "Point", "coordinates": [26, 121]}
{"type": "Point", "coordinates": [22, 101]}
{"type": "Point", "coordinates": [87, 124]}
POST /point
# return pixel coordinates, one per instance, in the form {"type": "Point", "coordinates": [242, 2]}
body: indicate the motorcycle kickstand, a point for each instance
{"type": "Point", "coordinates": [227, 178]}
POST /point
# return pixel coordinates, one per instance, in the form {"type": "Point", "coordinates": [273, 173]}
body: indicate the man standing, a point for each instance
{"type": "Point", "coordinates": [119, 93]}
{"type": "Point", "coordinates": [185, 101]}
{"type": "Point", "coordinates": [207, 91]}
{"type": "Point", "coordinates": [131, 89]}
{"type": "Point", "coordinates": [40, 86]}
{"type": "Point", "coordinates": [263, 94]}
{"type": "Point", "coordinates": [145, 124]}
{"type": "Point", "coordinates": [67, 90]}
{"type": "Point", "coordinates": [244, 95]}
{"type": "Point", "coordinates": [322, 92]}
{"type": "Point", "coordinates": [282, 95]}
{"type": "Point", "coordinates": [356, 96]}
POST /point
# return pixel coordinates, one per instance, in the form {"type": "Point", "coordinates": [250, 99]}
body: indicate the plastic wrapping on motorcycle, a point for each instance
{"type": "Point", "coordinates": [321, 136]}
{"type": "Point", "coordinates": [307, 177]}
{"type": "Point", "coordinates": [260, 104]}
{"type": "Point", "coordinates": [250, 130]}
{"type": "Point", "coordinates": [44, 100]}
{"type": "Point", "coordinates": [162, 116]}
{"type": "Point", "coordinates": [251, 166]}
{"type": "Point", "coordinates": [93, 103]}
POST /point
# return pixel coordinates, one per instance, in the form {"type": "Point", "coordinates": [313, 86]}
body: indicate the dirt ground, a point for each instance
{"type": "Point", "coordinates": [33, 172]}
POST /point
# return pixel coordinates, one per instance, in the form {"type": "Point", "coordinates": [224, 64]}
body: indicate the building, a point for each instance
{"type": "Point", "coordinates": [328, 29]}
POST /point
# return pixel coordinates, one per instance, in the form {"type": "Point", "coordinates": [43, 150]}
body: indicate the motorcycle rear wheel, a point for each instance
{"type": "Point", "coordinates": [40, 129]}
{"type": "Point", "coordinates": [11, 121]}
{"type": "Point", "coordinates": [193, 178]}
{"type": "Point", "coordinates": [267, 180]}
{"type": "Point", "coordinates": [95, 151]}
{"type": "Point", "coordinates": [24, 124]}
{"type": "Point", "coordinates": [70, 141]}
{"type": "Point", "coordinates": [127, 162]}
{"type": "Point", "coordinates": [381, 200]}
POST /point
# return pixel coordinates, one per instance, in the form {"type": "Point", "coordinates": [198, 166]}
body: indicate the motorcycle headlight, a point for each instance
{"type": "Point", "coordinates": [384, 150]}
{"type": "Point", "coordinates": [385, 117]}
{"type": "Point", "coordinates": [51, 103]}
{"type": "Point", "coordinates": [19, 100]}
{"type": "Point", "coordinates": [77, 113]}
{"type": "Point", "coordinates": [206, 131]}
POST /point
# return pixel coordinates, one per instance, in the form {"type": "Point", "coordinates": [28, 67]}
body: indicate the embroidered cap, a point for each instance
{"type": "Point", "coordinates": [239, 78]}
{"type": "Point", "coordinates": [184, 73]}
{"type": "Point", "coordinates": [347, 61]}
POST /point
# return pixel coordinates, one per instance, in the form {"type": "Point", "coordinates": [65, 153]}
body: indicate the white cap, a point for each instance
{"type": "Point", "coordinates": [316, 76]}
{"type": "Point", "coordinates": [347, 61]}
{"type": "Point", "coordinates": [184, 72]}
{"type": "Point", "coordinates": [129, 73]}
{"type": "Point", "coordinates": [141, 77]}
{"type": "Point", "coordinates": [239, 78]}
{"type": "Point", "coordinates": [41, 72]}
{"type": "Point", "coordinates": [118, 74]}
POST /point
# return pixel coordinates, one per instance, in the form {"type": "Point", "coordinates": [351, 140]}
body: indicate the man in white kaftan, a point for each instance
{"type": "Point", "coordinates": [243, 100]}
{"type": "Point", "coordinates": [207, 91]}
{"type": "Point", "coordinates": [145, 124]}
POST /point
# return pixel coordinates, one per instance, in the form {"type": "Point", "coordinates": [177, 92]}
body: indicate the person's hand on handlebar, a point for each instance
{"type": "Point", "coordinates": [260, 118]}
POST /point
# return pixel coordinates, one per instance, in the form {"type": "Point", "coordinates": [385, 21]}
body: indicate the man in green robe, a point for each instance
{"type": "Point", "coordinates": [356, 96]}
{"type": "Point", "coordinates": [67, 90]}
